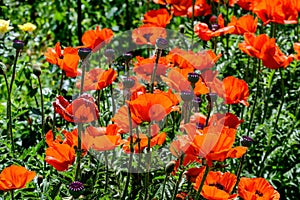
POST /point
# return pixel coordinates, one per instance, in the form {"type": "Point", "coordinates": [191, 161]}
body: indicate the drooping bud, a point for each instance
{"type": "Point", "coordinates": [246, 141]}
{"type": "Point", "coordinates": [181, 28]}
{"type": "Point", "coordinates": [84, 52]}
{"type": "Point", "coordinates": [170, 166]}
{"type": "Point", "coordinates": [162, 43]}
{"type": "Point", "coordinates": [36, 70]}
{"type": "Point", "coordinates": [127, 57]}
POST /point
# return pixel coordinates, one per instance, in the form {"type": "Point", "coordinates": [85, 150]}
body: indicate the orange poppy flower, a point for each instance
{"type": "Point", "coordinates": [144, 67]}
{"type": "Point", "coordinates": [230, 120]}
{"type": "Point", "coordinates": [246, 4]}
{"type": "Point", "coordinates": [97, 79]}
{"type": "Point", "coordinates": [236, 91]}
{"type": "Point", "coordinates": [158, 18]}
{"type": "Point", "coordinates": [101, 138]}
{"type": "Point", "coordinates": [81, 110]}
{"type": "Point", "coordinates": [297, 50]}
{"type": "Point", "coordinates": [217, 185]}
{"type": "Point", "coordinates": [265, 48]}
{"type": "Point", "coordinates": [243, 25]}
{"type": "Point", "coordinates": [256, 188]}
{"type": "Point", "coordinates": [201, 9]}
{"type": "Point", "coordinates": [188, 59]}
{"type": "Point", "coordinates": [148, 34]}
{"type": "Point", "coordinates": [60, 156]}
{"type": "Point", "coordinates": [122, 120]}
{"type": "Point", "coordinates": [277, 11]}
{"type": "Point", "coordinates": [66, 59]}
{"type": "Point", "coordinates": [15, 177]}
{"type": "Point", "coordinates": [214, 84]}
{"type": "Point", "coordinates": [205, 33]}
{"type": "Point", "coordinates": [150, 107]}
{"type": "Point", "coordinates": [192, 173]}
{"type": "Point", "coordinates": [95, 39]}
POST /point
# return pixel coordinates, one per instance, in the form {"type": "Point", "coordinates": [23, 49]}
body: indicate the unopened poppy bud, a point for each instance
{"type": "Point", "coordinates": [211, 97]}
{"type": "Point", "coordinates": [109, 53]}
{"type": "Point", "coordinates": [214, 27]}
{"type": "Point", "coordinates": [36, 70]}
{"type": "Point", "coordinates": [18, 45]}
{"type": "Point", "coordinates": [193, 77]}
{"type": "Point", "coordinates": [170, 166]}
{"type": "Point", "coordinates": [162, 43]}
{"type": "Point", "coordinates": [181, 28]}
{"type": "Point", "coordinates": [246, 141]}
{"type": "Point", "coordinates": [76, 189]}
{"type": "Point", "coordinates": [84, 52]}
{"type": "Point", "coordinates": [128, 83]}
{"type": "Point", "coordinates": [127, 57]}
{"type": "Point", "coordinates": [187, 95]}
{"type": "Point", "coordinates": [213, 19]}
{"type": "Point", "coordinates": [197, 101]}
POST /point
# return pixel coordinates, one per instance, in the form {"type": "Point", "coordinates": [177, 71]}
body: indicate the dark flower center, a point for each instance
{"type": "Point", "coordinates": [147, 36]}
{"type": "Point", "coordinates": [258, 193]}
{"type": "Point", "coordinates": [76, 186]}
{"type": "Point", "coordinates": [218, 185]}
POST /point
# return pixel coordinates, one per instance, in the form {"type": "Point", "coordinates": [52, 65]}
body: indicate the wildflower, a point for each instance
{"type": "Point", "coordinates": [158, 18]}
{"type": "Point", "coordinates": [148, 34]}
{"type": "Point", "coordinates": [15, 177]}
{"type": "Point", "coordinates": [236, 91]}
{"type": "Point", "coordinates": [244, 24]}
{"type": "Point", "coordinates": [122, 120]}
{"type": "Point", "coordinates": [4, 27]}
{"type": "Point", "coordinates": [27, 27]}
{"type": "Point", "coordinates": [66, 59]}
{"type": "Point", "coordinates": [217, 185]}
{"type": "Point", "coordinates": [81, 110]}
{"type": "Point", "coordinates": [98, 79]}
{"type": "Point", "coordinates": [95, 39]}
{"type": "Point", "coordinates": [256, 188]}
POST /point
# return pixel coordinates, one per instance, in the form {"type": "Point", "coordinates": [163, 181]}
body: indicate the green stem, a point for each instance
{"type": "Point", "coordinates": [14, 71]}
{"type": "Point", "coordinates": [61, 82]}
{"type": "Point", "coordinates": [202, 182]}
{"type": "Point", "coordinates": [238, 174]}
{"type": "Point", "coordinates": [82, 76]}
{"type": "Point", "coordinates": [78, 152]}
{"type": "Point", "coordinates": [106, 171]}
{"type": "Point", "coordinates": [282, 96]}
{"type": "Point", "coordinates": [164, 186]}
{"type": "Point", "coordinates": [268, 97]}
{"type": "Point", "coordinates": [12, 195]}
{"type": "Point", "coordinates": [158, 54]}
{"type": "Point", "coordinates": [42, 104]}
{"type": "Point", "coordinates": [192, 22]}
{"type": "Point", "coordinates": [177, 185]}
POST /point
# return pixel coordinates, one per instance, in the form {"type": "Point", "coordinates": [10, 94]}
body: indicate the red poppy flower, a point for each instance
{"type": "Point", "coordinates": [297, 50]}
{"type": "Point", "coordinates": [277, 11]}
{"type": "Point", "coordinates": [159, 18]}
{"type": "Point", "coordinates": [95, 39]}
{"type": "Point", "coordinates": [66, 59]}
{"type": "Point", "coordinates": [81, 110]}
{"type": "Point", "coordinates": [217, 185]}
{"type": "Point", "coordinates": [256, 188]}
{"type": "Point", "coordinates": [150, 107]}
{"type": "Point", "coordinates": [192, 173]}
{"type": "Point", "coordinates": [60, 156]}
{"type": "Point", "coordinates": [102, 138]}
{"type": "Point", "coordinates": [148, 34]}
{"type": "Point", "coordinates": [188, 59]}
{"type": "Point", "coordinates": [243, 25]}
{"type": "Point", "coordinates": [205, 33]}
{"type": "Point", "coordinates": [230, 120]}
{"type": "Point", "coordinates": [15, 177]}
{"type": "Point", "coordinates": [97, 79]}
{"type": "Point", "coordinates": [246, 4]}
{"type": "Point", "coordinates": [122, 120]}
{"type": "Point", "coordinates": [236, 91]}
{"type": "Point", "coordinates": [265, 49]}
{"type": "Point", "coordinates": [201, 8]}
{"type": "Point", "coordinates": [144, 67]}
{"type": "Point", "coordinates": [214, 84]}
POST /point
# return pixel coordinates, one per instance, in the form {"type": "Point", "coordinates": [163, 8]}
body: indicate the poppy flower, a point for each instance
{"type": "Point", "coordinates": [201, 8]}
{"type": "Point", "coordinates": [188, 59]}
{"type": "Point", "coordinates": [66, 59]}
{"type": "Point", "coordinates": [144, 67]}
{"type": "Point", "coordinates": [203, 31]}
{"type": "Point", "coordinates": [277, 11]}
{"type": "Point", "coordinates": [217, 185]}
{"type": "Point", "coordinates": [256, 188]}
{"type": "Point", "coordinates": [98, 79]}
{"type": "Point", "coordinates": [158, 18]}
{"type": "Point", "coordinates": [230, 120]}
{"type": "Point", "coordinates": [150, 107]}
{"type": "Point", "coordinates": [236, 91]}
{"type": "Point", "coordinates": [192, 173]}
{"type": "Point", "coordinates": [265, 48]}
{"type": "Point", "coordinates": [244, 24]}
{"type": "Point", "coordinates": [101, 138]}
{"type": "Point", "coordinates": [213, 83]}
{"type": "Point", "coordinates": [122, 120]}
{"type": "Point", "coordinates": [297, 50]}
{"type": "Point", "coordinates": [15, 177]}
{"type": "Point", "coordinates": [60, 156]}
{"type": "Point", "coordinates": [148, 34]}
{"type": "Point", "coordinates": [81, 110]}
{"type": "Point", "coordinates": [95, 39]}
{"type": "Point", "coordinates": [246, 4]}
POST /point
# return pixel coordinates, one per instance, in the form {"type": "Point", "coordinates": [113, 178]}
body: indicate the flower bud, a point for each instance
{"type": "Point", "coordinates": [187, 95]}
{"type": "Point", "coordinates": [193, 77]}
{"type": "Point", "coordinates": [127, 57]}
{"type": "Point", "coordinates": [84, 52]}
{"type": "Point", "coordinates": [170, 166]}
{"type": "Point", "coordinates": [36, 70]}
{"type": "Point", "coordinates": [246, 141]}
{"type": "Point", "coordinates": [109, 53]}
{"type": "Point", "coordinates": [197, 101]}
{"type": "Point", "coordinates": [18, 45]}
{"type": "Point", "coordinates": [181, 28]}
{"type": "Point", "coordinates": [161, 43]}
{"type": "Point", "coordinates": [76, 189]}
{"type": "Point", "coordinates": [214, 27]}
{"type": "Point", "coordinates": [128, 83]}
